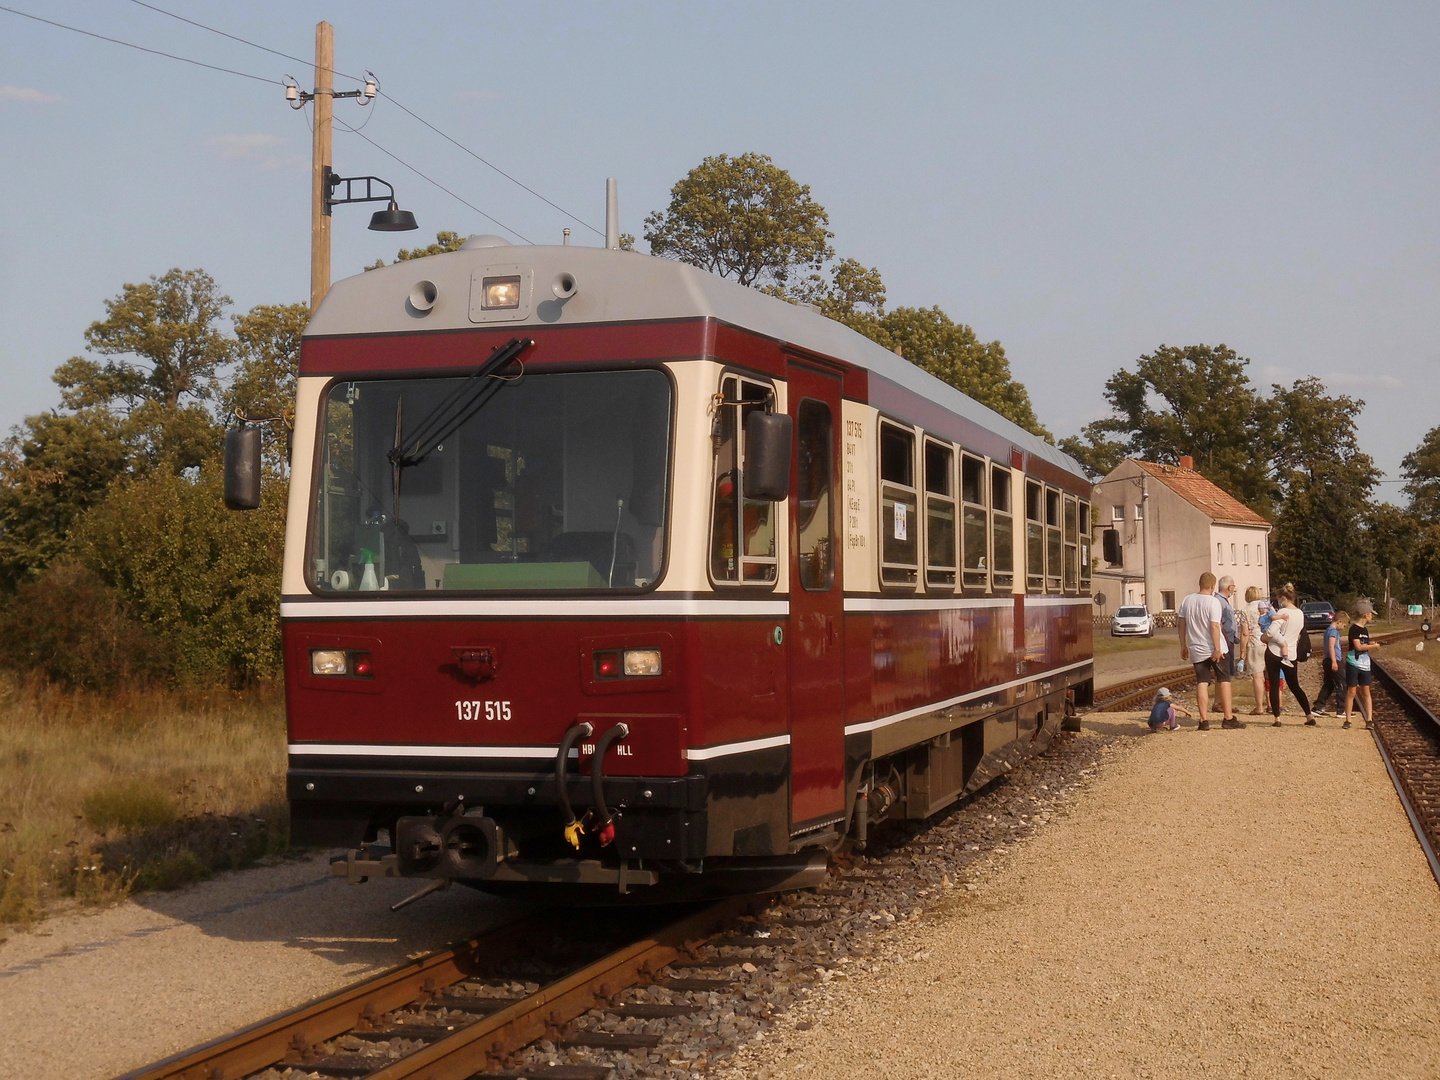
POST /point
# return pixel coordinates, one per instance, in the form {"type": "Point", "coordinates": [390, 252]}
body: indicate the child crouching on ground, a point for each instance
{"type": "Point", "coordinates": [1162, 713]}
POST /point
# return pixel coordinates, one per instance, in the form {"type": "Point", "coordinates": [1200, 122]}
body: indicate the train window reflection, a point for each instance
{"type": "Point", "coordinates": [815, 445]}
{"type": "Point", "coordinates": [975, 523]}
{"type": "Point", "coordinates": [1002, 530]}
{"type": "Point", "coordinates": [899, 529]}
{"type": "Point", "coordinates": [939, 515]}
{"type": "Point", "coordinates": [558, 483]}
{"type": "Point", "coordinates": [1072, 544]}
{"type": "Point", "coordinates": [742, 530]}
{"type": "Point", "coordinates": [1053, 542]}
{"type": "Point", "coordinates": [1084, 546]}
{"type": "Point", "coordinates": [1034, 537]}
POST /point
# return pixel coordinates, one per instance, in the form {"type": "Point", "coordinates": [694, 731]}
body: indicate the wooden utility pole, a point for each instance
{"type": "Point", "coordinates": [320, 165]}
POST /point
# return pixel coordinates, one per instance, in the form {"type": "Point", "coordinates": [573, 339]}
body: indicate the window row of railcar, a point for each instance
{"type": "Point", "coordinates": [948, 520]}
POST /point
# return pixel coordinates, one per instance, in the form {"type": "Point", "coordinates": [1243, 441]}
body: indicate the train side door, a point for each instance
{"type": "Point", "coordinates": [817, 604]}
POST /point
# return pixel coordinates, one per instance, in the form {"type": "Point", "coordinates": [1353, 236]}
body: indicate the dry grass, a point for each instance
{"type": "Point", "coordinates": [104, 793]}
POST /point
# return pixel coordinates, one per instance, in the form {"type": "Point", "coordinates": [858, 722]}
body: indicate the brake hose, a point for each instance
{"type": "Point", "coordinates": [597, 775]}
{"type": "Point", "coordinates": [562, 786]}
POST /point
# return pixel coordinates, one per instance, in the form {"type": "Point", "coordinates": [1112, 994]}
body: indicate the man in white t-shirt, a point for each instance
{"type": "Point", "coordinates": [1202, 644]}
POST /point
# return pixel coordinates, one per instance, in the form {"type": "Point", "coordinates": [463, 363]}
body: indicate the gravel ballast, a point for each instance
{"type": "Point", "coordinates": [93, 994]}
{"type": "Point", "coordinates": [1232, 903]}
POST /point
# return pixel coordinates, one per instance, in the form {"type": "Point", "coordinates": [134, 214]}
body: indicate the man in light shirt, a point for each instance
{"type": "Point", "coordinates": [1203, 645]}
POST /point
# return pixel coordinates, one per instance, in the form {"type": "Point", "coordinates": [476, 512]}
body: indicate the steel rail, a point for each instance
{"type": "Point", "coordinates": [468, 1049]}
{"type": "Point", "coordinates": [1127, 695]}
{"type": "Point", "coordinates": [1421, 715]}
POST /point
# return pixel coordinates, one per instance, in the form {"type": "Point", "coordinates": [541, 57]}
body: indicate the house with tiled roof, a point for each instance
{"type": "Point", "coordinates": [1159, 527]}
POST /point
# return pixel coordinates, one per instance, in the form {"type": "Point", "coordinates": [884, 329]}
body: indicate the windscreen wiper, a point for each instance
{"type": "Point", "coordinates": [456, 408]}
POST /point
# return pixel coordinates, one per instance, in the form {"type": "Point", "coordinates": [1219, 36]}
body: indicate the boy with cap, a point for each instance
{"type": "Point", "coordinates": [1162, 713]}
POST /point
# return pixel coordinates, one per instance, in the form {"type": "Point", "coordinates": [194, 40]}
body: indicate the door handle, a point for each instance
{"type": "Point", "coordinates": [831, 636]}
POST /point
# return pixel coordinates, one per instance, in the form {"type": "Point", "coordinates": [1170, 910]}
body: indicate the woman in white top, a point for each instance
{"type": "Point", "coordinates": [1281, 639]}
{"type": "Point", "coordinates": [1254, 647]}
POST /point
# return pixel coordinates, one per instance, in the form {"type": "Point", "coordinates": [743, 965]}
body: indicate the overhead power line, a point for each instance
{"type": "Point", "coordinates": [140, 48]}
{"type": "Point", "coordinates": [430, 179]}
{"type": "Point", "coordinates": [398, 104]}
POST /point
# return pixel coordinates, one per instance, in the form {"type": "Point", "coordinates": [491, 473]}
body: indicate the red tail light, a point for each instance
{"type": "Point", "coordinates": [607, 665]}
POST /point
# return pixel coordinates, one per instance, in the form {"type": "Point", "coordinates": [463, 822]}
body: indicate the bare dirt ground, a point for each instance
{"type": "Point", "coordinates": [95, 993]}
{"type": "Point", "coordinates": [1223, 904]}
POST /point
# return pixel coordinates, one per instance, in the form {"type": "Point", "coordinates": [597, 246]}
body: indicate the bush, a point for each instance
{"type": "Point", "coordinates": [204, 579]}
{"type": "Point", "coordinates": [75, 629]}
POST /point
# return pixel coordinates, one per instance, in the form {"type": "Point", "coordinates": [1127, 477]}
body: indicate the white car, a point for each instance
{"type": "Point", "coordinates": [1133, 621]}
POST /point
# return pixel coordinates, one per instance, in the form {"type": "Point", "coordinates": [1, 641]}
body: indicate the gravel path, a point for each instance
{"type": "Point", "coordinates": [1222, 904]}
{"type": "Point", "coordinates": [94, 994]}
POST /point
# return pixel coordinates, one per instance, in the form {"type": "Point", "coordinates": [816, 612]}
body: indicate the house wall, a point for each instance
{"type": "Point", "coordinates": [1181, 543]}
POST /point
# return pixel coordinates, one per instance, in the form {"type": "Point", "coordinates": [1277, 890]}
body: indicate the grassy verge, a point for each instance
{"type": "Point", "coordinates": [1106, 645]}
{"type": "Point", "coordinates": [103, 794]}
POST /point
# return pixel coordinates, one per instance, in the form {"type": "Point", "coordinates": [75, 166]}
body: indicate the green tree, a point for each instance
{"type": "Point", "coordinates": [743, 218]}
{"type": "Point", "coordinates": [52, 469]}
{"type": "Point", "coordinates": [1096, 454]}
{"type": "Point", "coordinates": [1324, 480]}
{"type": "Point", "coordinates": [168, 325]}
{"type": "Point", "coordinates": [204, 580]}
{"type": "Point", "coordinates": [268, 362]}
{"type": "Point", "coordinates": [1421, 470]}
{"type": "Point", "coordinates": [444, 241]}
{"type": "Point", "coordinates": [1195, 400]}
{"type": "Point", "coordinates": [952, 352]}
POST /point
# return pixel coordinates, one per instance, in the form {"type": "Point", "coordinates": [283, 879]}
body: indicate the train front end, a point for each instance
{"type": "Point", "coordinates": [488, 678]}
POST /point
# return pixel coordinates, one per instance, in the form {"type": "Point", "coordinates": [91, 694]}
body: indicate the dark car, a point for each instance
{"type": "Point", "coordinates": [1318, 615]}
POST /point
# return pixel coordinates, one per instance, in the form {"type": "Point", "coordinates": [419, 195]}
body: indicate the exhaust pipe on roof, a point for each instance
{"type": "Point", "coordinates": [612, 215]}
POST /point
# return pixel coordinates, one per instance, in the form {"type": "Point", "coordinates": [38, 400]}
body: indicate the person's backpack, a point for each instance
{"type": "Point", "coordinates": [1302, 647]}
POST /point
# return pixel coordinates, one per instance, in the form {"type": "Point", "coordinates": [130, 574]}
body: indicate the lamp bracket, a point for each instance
{"type": "Point", "coordinates": [332, 182]}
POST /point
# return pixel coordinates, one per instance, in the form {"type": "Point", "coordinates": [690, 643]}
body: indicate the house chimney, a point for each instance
{"type": "Point", "coordinates": [1187, 462]}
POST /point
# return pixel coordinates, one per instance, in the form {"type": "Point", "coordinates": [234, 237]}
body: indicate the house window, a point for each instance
{"type": "Point", "coordinates": [1219, 554]}
{"type": "Point", "coordinates": [1139, 511]}
{"type": "Point", "coordinates": [1167, 601]}
{"type": "Point", "coordinates": [1233, 560]}
{"type": "Point", "coordinates": [939, 515]}
{"type": "Point", "coordinates": [1002, 530]}
{"type": "Point", "coordinates": [1034, 537]}
{"type": "Point", "coordinates": [899, 531]}
{"type": "Point", "coordinates": [1247, 554]}
{"type": "Point", "coordinates": [974, 523]}
{"type": "Point", "coordinates": [1117, 513]}
{"type": "Point", "coordinates": [1258, 549]}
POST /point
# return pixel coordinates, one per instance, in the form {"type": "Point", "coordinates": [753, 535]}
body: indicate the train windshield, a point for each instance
{"type": "Point", "coordinates": [558, 482]}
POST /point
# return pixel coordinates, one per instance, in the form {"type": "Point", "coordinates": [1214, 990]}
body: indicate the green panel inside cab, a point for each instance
{"type": "Point", "coordinates": [502, 576]}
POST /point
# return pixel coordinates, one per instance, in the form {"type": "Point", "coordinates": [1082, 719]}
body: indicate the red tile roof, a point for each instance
{"type": "Point", "coordinates": [1217, 503]}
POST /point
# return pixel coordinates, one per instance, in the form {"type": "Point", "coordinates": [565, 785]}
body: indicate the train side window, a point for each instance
{"type": "Point", "coordinates": [814, 500]}
{"type": "Point", "coordinates": [742, 531]}
{"type": "Point", "coordinates": [939, 515]}
{"type": "Point", "coordinates": [1002, 530]}
{"type": "Point", "coordinates": [1034, 537]}
{"type": "Point", "coordinates": [1054, 545]}
{"type": "Point", "coordinates": [899, 547]}
{"type": "Point", "coordinates": [1072, 544]}
{"type": "Point", "coordinates": [1085, 547]}
{"type": "Point", "coordinates": [974, 523]}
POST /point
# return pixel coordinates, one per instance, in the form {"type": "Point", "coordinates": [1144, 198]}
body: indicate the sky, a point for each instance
{"type": "Point", "coordinates": [1082, 182]}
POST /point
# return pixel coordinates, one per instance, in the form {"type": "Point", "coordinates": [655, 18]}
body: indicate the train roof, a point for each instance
{"type": "Point", "coordinates": [636, 288]}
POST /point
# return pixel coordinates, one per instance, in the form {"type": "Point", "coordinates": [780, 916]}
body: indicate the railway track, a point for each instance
{"type": "Point", "coordinates": [464, 1011]}
{"type": "Point", "coordinates": [1408, 735]}
{"type": "Point", "coordinates": [1137, 693]}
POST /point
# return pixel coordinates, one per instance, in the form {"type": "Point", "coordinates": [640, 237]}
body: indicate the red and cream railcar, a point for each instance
{"type": "Point", "coordinates": [548, 619]}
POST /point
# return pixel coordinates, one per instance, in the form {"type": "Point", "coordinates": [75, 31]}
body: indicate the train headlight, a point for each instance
{"type": "Point", "coordinates": [329, 662]}
{"type": "Point", "coordinates": [642, 662]}
{"type": "Point", "coordinates": [500, 292]}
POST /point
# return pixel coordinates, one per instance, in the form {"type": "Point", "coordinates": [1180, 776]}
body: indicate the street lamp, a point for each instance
{"type": "Point", "coordinates": [391, 219]}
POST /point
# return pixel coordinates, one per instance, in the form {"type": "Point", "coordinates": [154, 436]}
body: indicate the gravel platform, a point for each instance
{"type": "Point", "coordinates": [96, 993]}
{"type": "Point", "coordinates": [1223, 904]}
